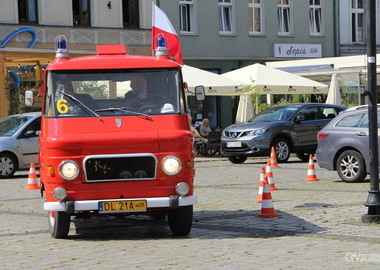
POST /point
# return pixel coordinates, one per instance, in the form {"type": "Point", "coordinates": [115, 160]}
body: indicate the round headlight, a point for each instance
{"type": "Point", "coordinates": [69, 170]}
{"type": "Point", "coordinates": [59, 193]}
{"type": "Point", "coordinates": [171, 165]}
{"type": "Point", "coordinates": [182, 189]}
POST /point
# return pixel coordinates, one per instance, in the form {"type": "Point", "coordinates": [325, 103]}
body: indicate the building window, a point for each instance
{"type": "Point", "coordinates": [27, 11]}
{"type": "Point", "coordinates": [81, 13]}
{"type": "Point", "coordinates": [225, 17]}
{"type": "Point", "coordinates": [315, 17]}
{"type": "Point", "coordinates": [255, 17]}
{"type": "Point", "coordinates": [186, 16]}
{"type": "Point", "coordinates": [357, 21]}
{"type": "Point", "coordinates": [131, 14]}
{"type": "Point", "coordinates": [284, 17]}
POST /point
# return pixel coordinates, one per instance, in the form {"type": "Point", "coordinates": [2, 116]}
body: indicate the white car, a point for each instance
{"type": "Point", "coordinates": [18, 142]}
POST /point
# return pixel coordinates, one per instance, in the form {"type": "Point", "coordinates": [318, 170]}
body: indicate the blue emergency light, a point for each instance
{"type": "Point", "coordinates": [61, 47]}
{"type": "Point", "coordinates": [161, 49]}
{"type": "Point", "coordinates": [161, 42]}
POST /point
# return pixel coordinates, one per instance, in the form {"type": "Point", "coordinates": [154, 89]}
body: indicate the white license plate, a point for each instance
{"type": "Point", "coordinates": [233, 144]}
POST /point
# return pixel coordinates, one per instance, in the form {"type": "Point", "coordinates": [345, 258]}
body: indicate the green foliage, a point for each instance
{"type": "Point", "coordinates": [93, 88]}
{"type": "Point", "coordinates": [259, 100]}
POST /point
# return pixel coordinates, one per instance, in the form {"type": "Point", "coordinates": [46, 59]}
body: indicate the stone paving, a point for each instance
{"type": "Point", "coordinates": [319, 227]}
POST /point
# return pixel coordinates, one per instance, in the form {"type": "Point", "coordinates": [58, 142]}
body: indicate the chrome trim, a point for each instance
{"type": "Point", "coordinates": [92, 205]}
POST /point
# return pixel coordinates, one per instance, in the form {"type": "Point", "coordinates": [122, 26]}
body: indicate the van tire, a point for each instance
{"type": "Point", "coordinates": [59, 224]}
{"type": "Point", "coordinates": [181, 220]}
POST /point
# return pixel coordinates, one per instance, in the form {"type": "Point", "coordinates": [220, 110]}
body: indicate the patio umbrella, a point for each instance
{"type": "Point", "coordinates": [267, 80]}
{"type": "Point", "coordinates": [245, 109]}
{"type": "Point", "coordinates": [215, 85]}
{"type": "Point", "coordinates": [333, 96]}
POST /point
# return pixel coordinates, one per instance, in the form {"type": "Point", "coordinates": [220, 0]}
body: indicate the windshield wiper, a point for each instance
{"type": "Point", "coordinates": [81, 104]}
{"type": "Point", "coordinates": [124, 109]}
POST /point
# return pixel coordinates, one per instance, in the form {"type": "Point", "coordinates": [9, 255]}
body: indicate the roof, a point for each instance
{"type": "Point", "coordinates": [111, 62]}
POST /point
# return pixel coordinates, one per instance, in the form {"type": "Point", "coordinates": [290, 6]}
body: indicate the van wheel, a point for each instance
{"type": "Point", "coordinates": [351, 167]}
{"type": "Point", "coordinates": [282, 147]}
{"type": "Point", "coordinates": [181, 220]}
{"type": "Point", "coordinates": [8, 165]}
{"type": "Point", "coordinates": [237, 159]}
{"type": "Point", "coordinates": [59, 224]}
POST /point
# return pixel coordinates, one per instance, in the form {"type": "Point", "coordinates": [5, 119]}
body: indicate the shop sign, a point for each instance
{"type": "Point", "coordinates": [298, 50]}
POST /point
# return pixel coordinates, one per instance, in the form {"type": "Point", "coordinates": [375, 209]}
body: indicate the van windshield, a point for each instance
{"type": "Point", "coordinates": [102, 93]}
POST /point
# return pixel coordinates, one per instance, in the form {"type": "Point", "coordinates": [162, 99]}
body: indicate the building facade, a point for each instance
{"type": "Point", "coordinates": [85, 23]}
{"type": "Point", "coordinates": [223, 35]}
{"type": "Point", "coordinates": [217, 35]}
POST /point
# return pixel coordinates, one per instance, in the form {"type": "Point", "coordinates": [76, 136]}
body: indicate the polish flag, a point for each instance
{"type": "Point", "coordinates": [162, 26]}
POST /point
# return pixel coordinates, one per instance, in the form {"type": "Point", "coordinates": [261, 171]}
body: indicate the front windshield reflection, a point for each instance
{"type": "Point", "coordinates": [10, 125]}
{"type": "Point", "coordinates": [99, 94]}
{"type": "Point", "coordinates": [275, 114]}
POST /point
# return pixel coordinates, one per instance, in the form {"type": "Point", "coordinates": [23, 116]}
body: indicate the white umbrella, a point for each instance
{"type": "Point", "coordinates": [215, 85]}
{"type": "Point", "coordinates": [245, 109]}
{"type": "Point", "coordinates": [333, 96]}
{"type": "Point", "coordinates": [269, 80]}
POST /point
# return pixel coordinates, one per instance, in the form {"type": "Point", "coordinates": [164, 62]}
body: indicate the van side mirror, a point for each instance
{"type": "Point", "coordinates": [29, 98]}
{"type": "Point", "coordinates": [200, 92]}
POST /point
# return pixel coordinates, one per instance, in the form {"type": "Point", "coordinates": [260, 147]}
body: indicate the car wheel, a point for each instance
{"type": "Point", "coordinates": [59, 224]}
{"type": "Point", "coordinates": [8, 165]}
{"type": "Point", "coordinates": [282, 148]}
{"type": "Point", "coordinates": [181, 220]}
{"type": "Point", "coordinates": [303, 156]}
{"type": "Point", "coordinates": [237, 159]}
{"type": "Point", "coordinates": [351, 167]}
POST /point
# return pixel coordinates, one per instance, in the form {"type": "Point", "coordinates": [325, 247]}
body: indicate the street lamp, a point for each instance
{"type": "Point", "coordinates": [373, 200]}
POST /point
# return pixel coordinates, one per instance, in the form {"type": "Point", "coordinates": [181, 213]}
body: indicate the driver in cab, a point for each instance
{"type": "Point", "coordinates": [138, 96]}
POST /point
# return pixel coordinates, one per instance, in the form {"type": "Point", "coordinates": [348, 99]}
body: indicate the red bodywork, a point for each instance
{"type": "Point", "coordinates": [79, 137]}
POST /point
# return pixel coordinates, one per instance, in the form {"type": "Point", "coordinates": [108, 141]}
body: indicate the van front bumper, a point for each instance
{"type": "Point", "coordinates": [171, 202]}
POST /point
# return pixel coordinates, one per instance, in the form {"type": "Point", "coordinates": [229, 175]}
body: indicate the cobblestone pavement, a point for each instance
{"type": "Point", "coordinates": [319, 227]}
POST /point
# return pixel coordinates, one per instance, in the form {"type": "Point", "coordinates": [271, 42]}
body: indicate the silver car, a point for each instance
{"type": "Point", "coordinates": [289, 128]}
{"type": "Point", "coordinates": [18, 142]}
{"type": "Point", "coordinates": [343, 145]}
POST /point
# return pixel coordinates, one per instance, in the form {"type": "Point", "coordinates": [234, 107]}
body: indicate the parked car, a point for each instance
{"type": "Point", "coordinates": [290, 128]}
{"type": "Point", "coordinates": [18, 142]}
{"type": "Point", "coordinates": [343, 145]}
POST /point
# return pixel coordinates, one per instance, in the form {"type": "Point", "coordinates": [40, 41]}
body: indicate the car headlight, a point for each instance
{"type": "Point", "coordinates": [69, 170]}
{"type": "Point", "coordinates": [257, 132]}
{"type": "Point", "coordinates": [171, 165]}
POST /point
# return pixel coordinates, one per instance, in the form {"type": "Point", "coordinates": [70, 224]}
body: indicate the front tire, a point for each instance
{"type": "Point", "coordinates": [59, 224]}
{"type": "Point", "coordinates": [181, 220]}
{"type": "Point", "coordinates": [237, 159]}
{"type": "Point", "coordinates": [8, 165]}
{"type": "Point", "coordinates": [351, 167]}
{"type": "Point", "coordinates": [282, 147]}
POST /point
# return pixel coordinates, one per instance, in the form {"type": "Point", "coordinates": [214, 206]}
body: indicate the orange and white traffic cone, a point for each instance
{"type": "Point", "coordinates": [311, 176]}
{"type": "Point", "coordinates": [273, 158]}
{"type": "Point", "coordinates": [269, 175]}
{"type": "Point", "coordinates": [32, 178]}
{"type": "Point", "coordinates": [267, 209]}
{"type": "Point", "coordinates": [261, 186]}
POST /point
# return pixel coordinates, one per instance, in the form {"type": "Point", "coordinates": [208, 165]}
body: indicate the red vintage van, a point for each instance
{"type": "Point", "coordinates": [103, 154]}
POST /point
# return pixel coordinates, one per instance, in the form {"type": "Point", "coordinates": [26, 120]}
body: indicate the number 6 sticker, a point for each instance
{"type": "Point", "coordinates": [62, 106]}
